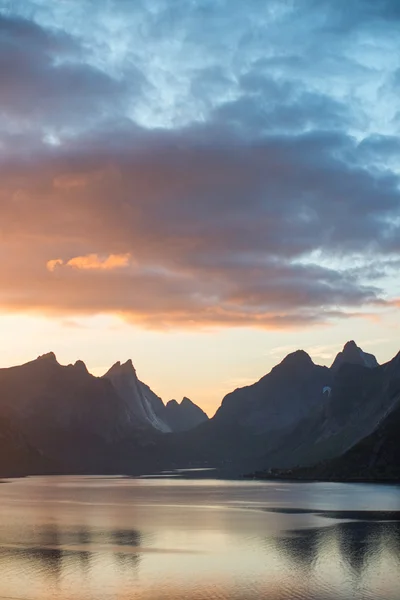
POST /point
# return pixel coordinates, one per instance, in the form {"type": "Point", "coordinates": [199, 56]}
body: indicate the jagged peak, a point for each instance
{"type": "Point", "coordinates": [353, 354]}
{"type": "Point", "coordinates": [49, 357]}
{"type": "Point", "coordinates": [186, 400]}
{"type": "Point", "coordinates": [350, 346]}
{"type": "Point", "coordinates": [128, 365]}
{"type": "Point", "coordinates": [119, 368]}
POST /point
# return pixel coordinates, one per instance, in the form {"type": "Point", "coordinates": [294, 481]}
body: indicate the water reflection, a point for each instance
{"type": "Point", "coordinates": [300, 549]}
{"type": "Point", "coordinates": [88, 538]}
{"type": "Point", "coordinates": [364, 554]}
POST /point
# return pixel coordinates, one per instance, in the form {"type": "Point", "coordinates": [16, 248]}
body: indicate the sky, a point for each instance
{"type": "Point", "coordinates": [200, 185]}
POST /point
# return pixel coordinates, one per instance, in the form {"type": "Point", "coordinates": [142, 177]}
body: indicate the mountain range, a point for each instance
{"type": "Point", "coordinates": [299, 420]}
{"type": "Point", "coordinates": [76, 419]}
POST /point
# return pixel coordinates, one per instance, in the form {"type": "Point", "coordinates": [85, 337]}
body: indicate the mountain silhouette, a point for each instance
{"type": "Point", "coordinates": [184, 416]}
{"type": "Point", "coordinates": [304, 418]}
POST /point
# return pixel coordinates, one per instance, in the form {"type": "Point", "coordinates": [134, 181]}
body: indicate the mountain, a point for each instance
{"type": "Point", "coordinates": [352, 354]}
{"type": "Point", "coordinates": [280, 399]}
{"type": "Point", "coordinates": [353, 405]}
{"type": "Point", "coordinates": [147, 409]}
{"type": "Point", "coordinates": [84, 423]}
{"type": "Point", "coordinates": [376, 454]}
{"type": "Point", "coordinates": [184, 416]}
{"type": "Point", "coordinates": [139, 401]}
{"type": "Point", "coordinates": [43, 393]}
{"type": "Point", "coordinates": [64, 411]}
{"type": "Point", "coordinates": [256, 420]}
{"type": "Point", "coordinates": [297, 414]}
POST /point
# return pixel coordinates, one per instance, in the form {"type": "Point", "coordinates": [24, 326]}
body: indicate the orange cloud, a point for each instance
{"type": "Point", "coordinates": [92, 262]}
{"type": "Point", "coordinates": [53, 264]}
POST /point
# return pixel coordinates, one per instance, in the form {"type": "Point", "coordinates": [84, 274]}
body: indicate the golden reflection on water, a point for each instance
{"type": "Point", "coordinates": [76, 538]}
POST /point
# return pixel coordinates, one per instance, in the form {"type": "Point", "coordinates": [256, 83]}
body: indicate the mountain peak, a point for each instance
{"type": "Point", "coordinates": [184, 415]}
{"type": "Point", "coordinates": [354, 355]}
{"type": "Point", "coordinates": [172, 404]}
{"type": "Point", "coordinates": [119, 368]}
{"type": "Point", "coordinates": [81, 366]}
{"type": "Point", "coordinates": [127, 367]}
{"type": "Point", "coordinates": [186, 400]}
{"type": "Point", "coordinates": [299, 357]}
{"type": "Point", "coordinates": [48, 357]}
{"type": "Point", "coordinates": [350, 346]}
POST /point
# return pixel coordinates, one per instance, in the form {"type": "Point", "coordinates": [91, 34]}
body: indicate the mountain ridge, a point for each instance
{"type": "Point", "coordinates": [294, 416]}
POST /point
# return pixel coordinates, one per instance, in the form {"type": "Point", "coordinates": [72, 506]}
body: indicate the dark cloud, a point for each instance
{"type": "Point", "coordinates": [218, 232]}
{"type": "Point", "coordinates": [45, 81]}
{"type": "Point", "coordinates": [199, 163]}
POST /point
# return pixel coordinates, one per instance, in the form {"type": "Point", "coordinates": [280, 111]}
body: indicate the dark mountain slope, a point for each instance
{"type": "Point", "coordinates": [62, 410]}
{"type": "Point", "coordinates": [297, 414]}
{"type": "Point", "coordinates": [18, 457]}
{"type": "Point", "coordinates": [280, 399]}
{"type": "Point", "coordinates": [376, 457]}
{"type": "Point", "coordinates": [83, 423]}
{"type": "Point", "coordinates": [355, 405]}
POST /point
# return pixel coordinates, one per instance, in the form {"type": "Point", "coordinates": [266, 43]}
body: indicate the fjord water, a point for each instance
{"type": "Point", "coordinates": [84, 538]}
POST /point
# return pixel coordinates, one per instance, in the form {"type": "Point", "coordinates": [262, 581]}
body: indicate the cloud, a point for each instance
{"type": "Point", "coordinates": [92, 262]}
{"type": "Point", "coordinates": [47, 85]}
{"type": "Point", "coordinates": [203, 255]}
{"type": "Point", "coordinates": [360, 13]}
{"type": "Point", "coordinates": [53, 264]}
{"type": "Point", "coordinates": [186, 165]}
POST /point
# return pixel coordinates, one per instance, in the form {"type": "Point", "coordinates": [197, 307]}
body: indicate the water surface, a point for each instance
{"type": "Point", "coordinates": [91, 538]}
